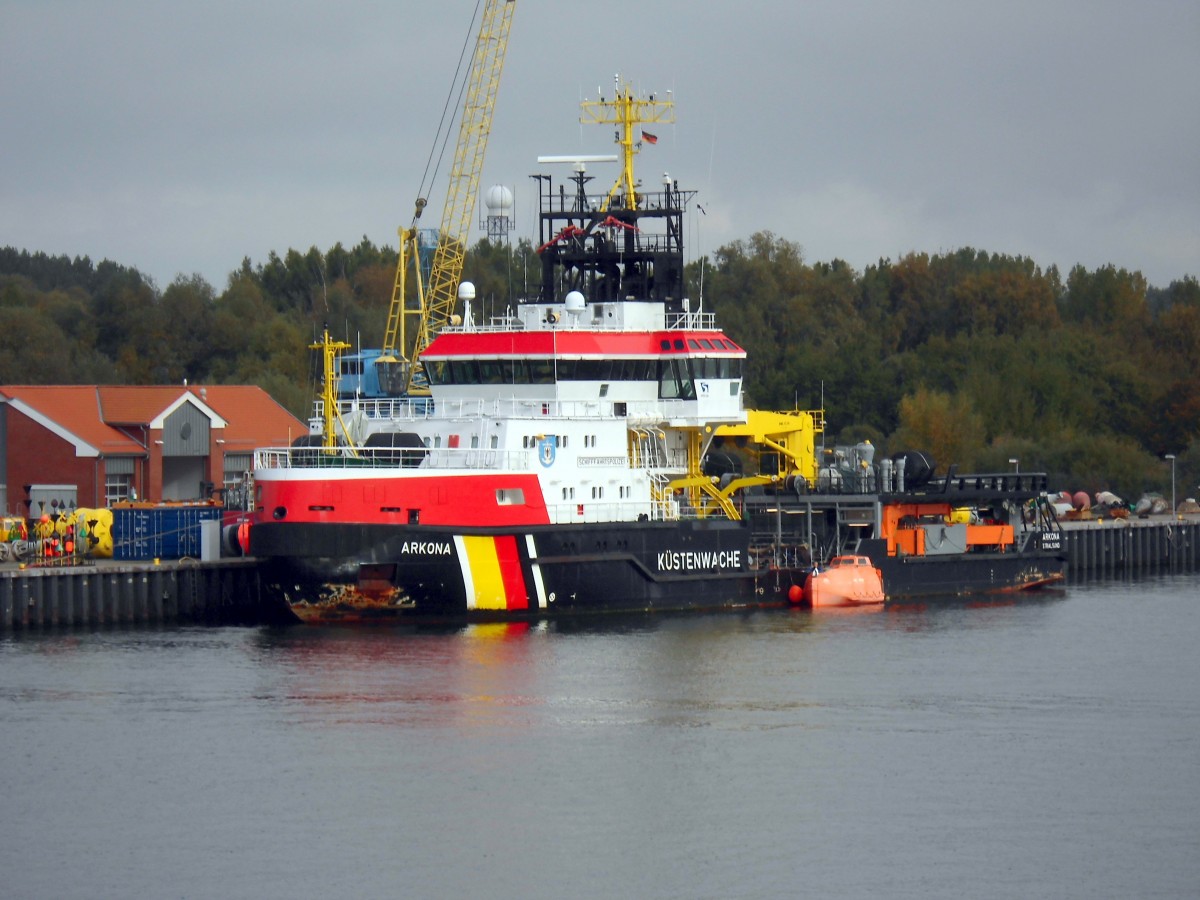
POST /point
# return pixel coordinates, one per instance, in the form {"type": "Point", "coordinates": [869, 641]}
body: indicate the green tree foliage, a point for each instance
{"type": "Point", "coordinates": [977, 358]}
{"type": "Point", "coordinates": [945, 425]}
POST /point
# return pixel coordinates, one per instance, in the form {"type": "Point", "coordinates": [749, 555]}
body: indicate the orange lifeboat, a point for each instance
{"type": "Point", "coordinates": [846, 581]}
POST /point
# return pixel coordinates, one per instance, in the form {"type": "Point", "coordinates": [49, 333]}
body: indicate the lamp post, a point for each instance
{"type": "Point", "coordinates": [1171, 457]}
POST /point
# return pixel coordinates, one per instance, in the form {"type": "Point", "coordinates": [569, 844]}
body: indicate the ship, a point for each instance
{"type": "Point", "coordinates": [588, 450]}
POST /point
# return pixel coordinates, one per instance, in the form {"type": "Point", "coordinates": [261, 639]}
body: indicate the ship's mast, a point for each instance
{"type": "Point", "coordinates": [329, 383]}
{"type": "Point", "coordinates": [626, 245]}
{"type": "Point", "coordinates": [628, 112]}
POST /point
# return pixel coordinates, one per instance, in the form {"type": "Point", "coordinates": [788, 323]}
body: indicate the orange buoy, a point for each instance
{"type": "Point", "coordinates": [795, 594]}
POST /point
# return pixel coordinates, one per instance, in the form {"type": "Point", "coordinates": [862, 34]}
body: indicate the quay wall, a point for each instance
{"type": "Point", "coordinates": [1127, 546]}
{"type": "Point", "coordinates": [223, 592]}
{"type": "Point", "coordinates": [227, 591]}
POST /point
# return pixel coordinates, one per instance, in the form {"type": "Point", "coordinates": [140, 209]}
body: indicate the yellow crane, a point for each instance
{"type": "Point", "coordinates": [432, 305]}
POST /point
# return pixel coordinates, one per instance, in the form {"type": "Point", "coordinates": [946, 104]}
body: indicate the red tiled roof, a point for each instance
{"type": "Point", "coordinates": [253, 418]}
{"type": "Point", "coordinates": [135, 405]}
{"type": "Point", "coordinates": [90, 413]}
{"type": "Point", "coordinates": [76, 410]}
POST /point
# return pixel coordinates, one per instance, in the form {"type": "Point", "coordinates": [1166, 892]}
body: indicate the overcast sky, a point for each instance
{"type": "Point", "coordinates": [181, 137]}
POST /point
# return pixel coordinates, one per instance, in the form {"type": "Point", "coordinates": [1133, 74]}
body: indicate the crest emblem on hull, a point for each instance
{"type": "Point", "coordinates": [546, 450]}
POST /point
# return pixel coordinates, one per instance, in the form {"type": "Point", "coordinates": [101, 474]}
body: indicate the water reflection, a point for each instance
{"type": "Point", "coordinates": [444, 677]}
{"type": "Point", "coordinates": [1041, 744]}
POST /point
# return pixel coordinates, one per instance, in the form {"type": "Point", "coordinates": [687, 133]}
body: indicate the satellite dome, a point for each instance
{"type": "Point", "coordinates": [498, 198]}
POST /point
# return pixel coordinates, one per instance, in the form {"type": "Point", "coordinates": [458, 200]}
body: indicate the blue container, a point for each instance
{"type": "Point", "coordinates": [159, 532]}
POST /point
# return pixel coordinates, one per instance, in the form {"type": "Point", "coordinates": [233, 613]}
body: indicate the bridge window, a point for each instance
{"type": "Point", "coordinates": [541, 371]}
{"type": "Point", "coordinates": [675, 380]}
{"type": "Point", "coordinates": [464, 371]}
{"type": "Point", "coordinates": [491, 371]}
{"type": "Point", "coordinates": [435, 371]}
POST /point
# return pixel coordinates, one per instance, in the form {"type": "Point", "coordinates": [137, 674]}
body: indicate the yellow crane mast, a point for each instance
{"type": "Point", "coordinates": [435, 301]}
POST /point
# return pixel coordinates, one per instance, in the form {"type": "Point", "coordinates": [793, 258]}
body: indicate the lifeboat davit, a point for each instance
{"type": "Point", "coordinates": [846, 581]}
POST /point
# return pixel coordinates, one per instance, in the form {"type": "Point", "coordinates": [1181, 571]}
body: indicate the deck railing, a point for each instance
{"type": "Point", "coordinates": [392, 458]}
{"type": "Point", "coordinates": [400, 411]}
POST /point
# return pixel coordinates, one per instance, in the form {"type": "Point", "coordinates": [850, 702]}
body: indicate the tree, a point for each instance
{"type": "Point", "coordinates": [125, 309]}
{"type": "Point", "coordinates": [189, 313]}
{"type": "Point", "coordinates": [1109, 299]}
{"type": "Point", "coordinates": [32, 348]}
{"type": "Point", "coordinates": [941, 424]}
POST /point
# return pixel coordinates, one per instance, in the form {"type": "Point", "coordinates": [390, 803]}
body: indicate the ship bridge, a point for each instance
{"type": "Point", "coordinates": [680, 372]}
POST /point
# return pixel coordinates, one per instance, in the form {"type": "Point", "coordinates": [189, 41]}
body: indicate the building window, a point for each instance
{"type": "Point", "coordinates": [117, 488]}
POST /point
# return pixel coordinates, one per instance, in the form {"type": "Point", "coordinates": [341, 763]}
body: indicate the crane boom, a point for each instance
{"type": "Point", "coordinates": [435, 300]}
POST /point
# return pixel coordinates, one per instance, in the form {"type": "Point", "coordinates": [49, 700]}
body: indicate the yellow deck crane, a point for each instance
{"type": "Point", "coordinates": [431, 305]}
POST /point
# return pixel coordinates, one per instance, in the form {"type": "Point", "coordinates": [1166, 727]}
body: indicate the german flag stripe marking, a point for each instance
{"type": "Point", "coordinates": [535, 567]}
{"type": "Point", "coordinates": [509, 559]}
{"type": "Point", "coordinates": [491, 570]}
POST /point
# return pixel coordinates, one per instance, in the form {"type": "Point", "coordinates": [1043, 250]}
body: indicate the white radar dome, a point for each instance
{"type": "Point", "coordinates": [498, 198]}
{"type": "Point", "coordinates": [574, 302]}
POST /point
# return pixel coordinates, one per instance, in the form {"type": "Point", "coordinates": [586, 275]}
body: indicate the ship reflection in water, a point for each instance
{"type": "Point", "coordinates": [1039, 746]}
{"type": "Point", "coordinates": [486, 674]}
{"type": "Point", "coordinates": [429, 675]}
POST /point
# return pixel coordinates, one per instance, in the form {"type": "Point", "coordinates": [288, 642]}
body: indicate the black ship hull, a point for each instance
{"type": "Point", "coordinates": [347, 572]}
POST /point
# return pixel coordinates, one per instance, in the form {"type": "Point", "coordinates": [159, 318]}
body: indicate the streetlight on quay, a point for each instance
{"type": "Point", "coordinates": [1171, 457]}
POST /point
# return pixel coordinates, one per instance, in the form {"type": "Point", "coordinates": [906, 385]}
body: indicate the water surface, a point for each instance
{"type": "Point", "coordinates": [1042, 747]}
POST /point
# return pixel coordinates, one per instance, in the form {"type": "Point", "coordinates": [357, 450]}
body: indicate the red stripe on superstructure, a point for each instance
{"type": "Point", "coordinates": [461, 500]}
{"type": "Point", "coordinates": [461, 343]}
{"type": "Point", "coordinates": [510, 571]}
{"type": "Point", "coordinates": [572, 343]}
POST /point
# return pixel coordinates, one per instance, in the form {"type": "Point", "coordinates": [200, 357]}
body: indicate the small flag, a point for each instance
{"type": "Point", "coordinates": [649, 138]}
